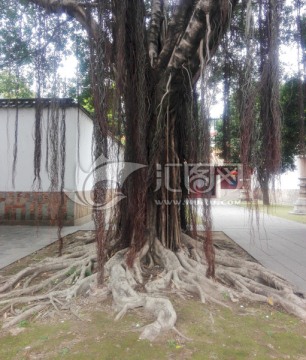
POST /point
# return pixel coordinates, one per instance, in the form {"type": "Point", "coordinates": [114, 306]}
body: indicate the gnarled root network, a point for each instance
{"type": "Point", "coordinates": [156, 272]}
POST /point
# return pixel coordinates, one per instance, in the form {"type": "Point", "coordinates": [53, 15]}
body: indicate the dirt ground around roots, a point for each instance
{"type": "Point", "coordinates": [245, 331]}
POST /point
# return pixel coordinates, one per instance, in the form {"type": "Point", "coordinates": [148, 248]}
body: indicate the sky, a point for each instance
{"type": "Point", "coordinates": [68, 68]}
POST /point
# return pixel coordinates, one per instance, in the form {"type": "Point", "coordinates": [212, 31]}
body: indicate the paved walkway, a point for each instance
{"type": "Point", "coordinates": [278, 244]}
{"type": "Point", "coordinates": [18, 241]}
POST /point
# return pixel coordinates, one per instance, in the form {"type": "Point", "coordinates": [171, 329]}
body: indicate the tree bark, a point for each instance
{"type": "Point", "coordinates": [264, 180]}
{"type": "Point", "coordinates": [265, 195]}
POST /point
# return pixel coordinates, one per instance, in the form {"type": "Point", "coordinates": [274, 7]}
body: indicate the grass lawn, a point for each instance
{"type": "Point", "coordinates": [282, 211]}
{"type": "Point", "coordinates": [246, 331]}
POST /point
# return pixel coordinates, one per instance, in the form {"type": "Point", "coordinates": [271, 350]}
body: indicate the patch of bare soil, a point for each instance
{"type": "Point", "coordinates": [49, 288]}
{"type": "Point", "coordinates": [223, 242]}
{"type": "Point", "coordinates": [100, 299]}
{"type": "Point", "coordinates": [80, 238]}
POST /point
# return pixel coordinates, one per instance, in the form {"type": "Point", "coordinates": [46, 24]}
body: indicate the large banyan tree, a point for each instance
{"type": "Point", "coordinates": [148, 64]}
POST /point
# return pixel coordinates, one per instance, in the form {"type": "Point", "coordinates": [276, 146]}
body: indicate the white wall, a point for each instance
{"type": "Point", "coordinates": [289, 180]}
{"type": "Point", "coordinates": [25, 155]}
{"type": "Point", "coordinates": [83, 178]}
{"type": "Point", "coordinates": [79, 164]}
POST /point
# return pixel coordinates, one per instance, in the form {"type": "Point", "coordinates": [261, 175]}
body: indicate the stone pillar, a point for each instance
{"type": "Point", "coordinates": [300, 204]}
{"type": "Point", "coordinates": [246, 193]}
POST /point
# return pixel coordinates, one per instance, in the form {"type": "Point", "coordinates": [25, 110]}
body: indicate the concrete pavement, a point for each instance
{"type": "Point", "coordinates": [18, 241]}
{"type": "Point", "coordinates": [278, 244]}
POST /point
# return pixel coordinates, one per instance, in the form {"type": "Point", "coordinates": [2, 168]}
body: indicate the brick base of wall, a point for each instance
{"type": "Point", "coordinates": [39, 208]}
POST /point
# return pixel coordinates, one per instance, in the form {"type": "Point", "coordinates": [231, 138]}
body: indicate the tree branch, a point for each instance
{"type": "Point", "coordinates": [154, 30]}
{"type": "Point", "coordinates": [205, 13]}
{"type": "Point", "coordinates": [175, 28]}
{"type": "Point", "coordinates": [73, 9]}
{"type": "Point", "coordinates": [195, 30]}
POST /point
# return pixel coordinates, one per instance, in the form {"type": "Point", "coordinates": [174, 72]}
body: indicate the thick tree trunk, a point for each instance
{"type": "Point", "coordinates": [226, 146]}
{"type": "Point", "coordinates": [265, 195]}
{"type": "Point", "coordinates": [161, 183]}
{"type": "Point", "coordinates": [264, 182]}
{"type": "Point", "coordinates": [269, 157]}
{"type": "Point", "coordinates": [163, 130]}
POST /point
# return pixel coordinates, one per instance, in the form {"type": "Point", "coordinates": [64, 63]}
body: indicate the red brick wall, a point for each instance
{"type": "Point", "coordinates": [34, 208]}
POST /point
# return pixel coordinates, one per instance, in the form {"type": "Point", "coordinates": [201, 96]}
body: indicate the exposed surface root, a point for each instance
{"type": "Point", "coordinates": [50, 284]}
